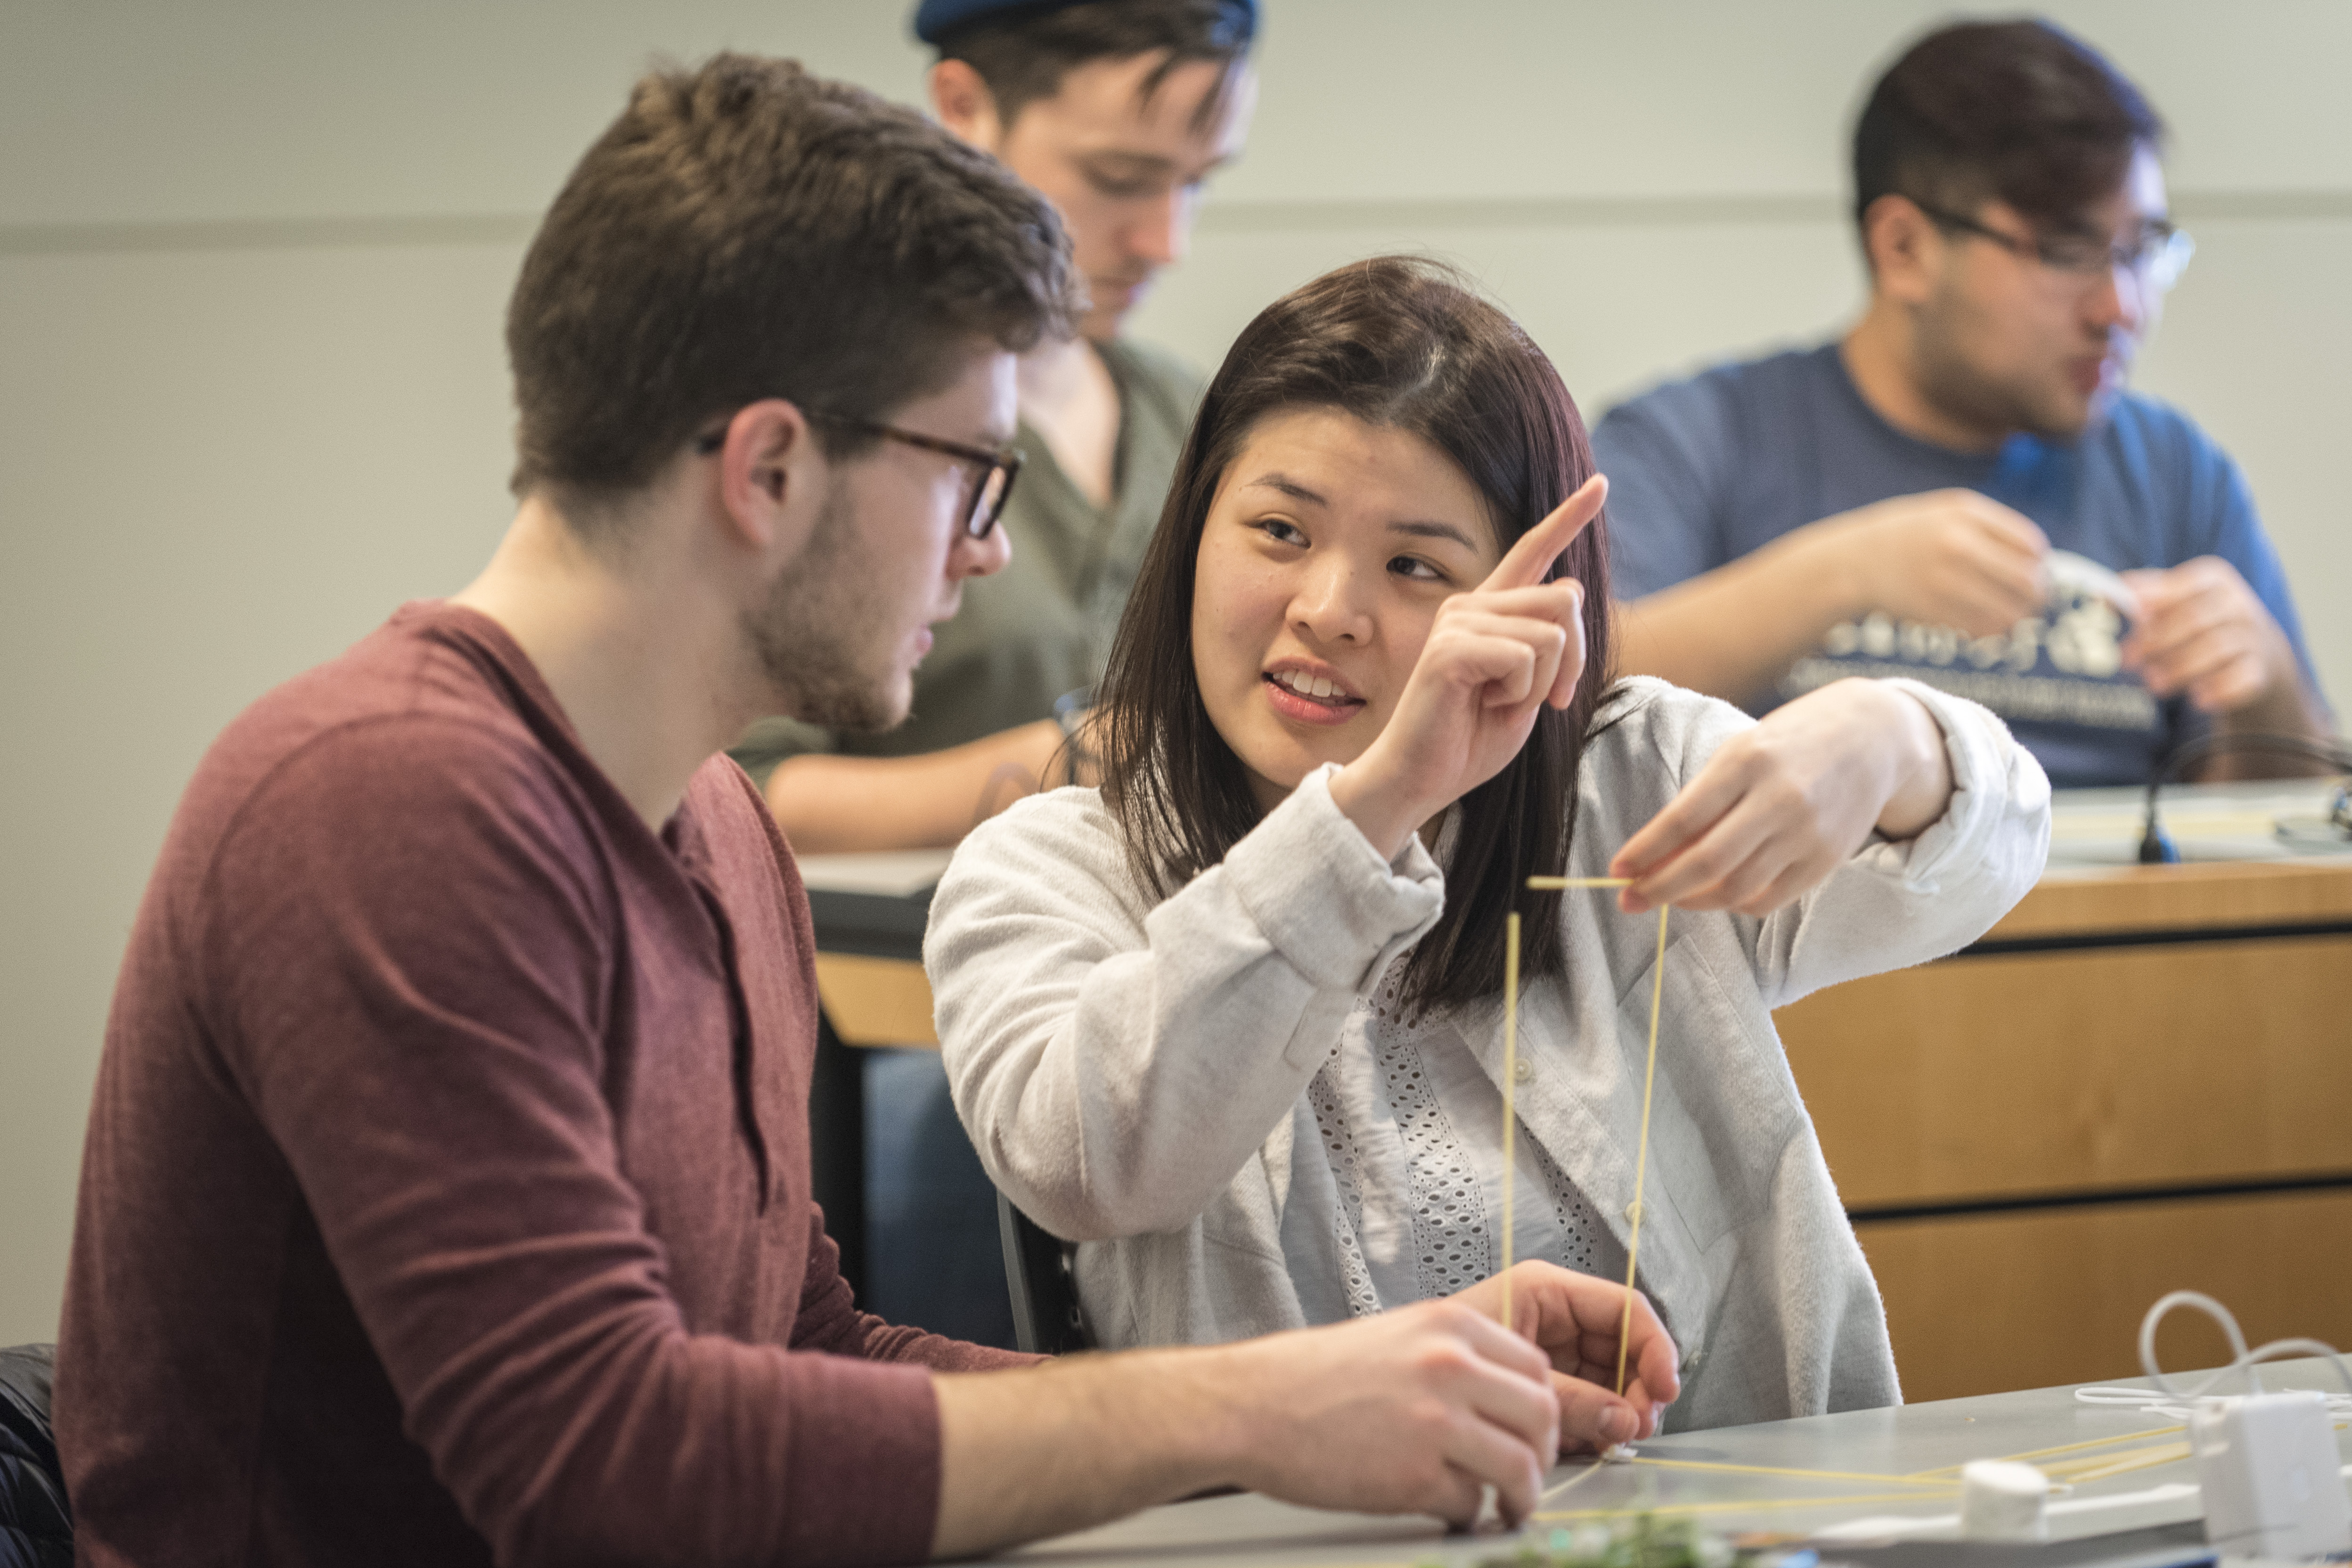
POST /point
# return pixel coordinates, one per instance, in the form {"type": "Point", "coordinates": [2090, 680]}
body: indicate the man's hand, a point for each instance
{"type": "Point", "coordinates": [1412, 1411]}
{"type": "Point", "coordinates": [1780, 807]}
{"type": "Point", "coordinates": [1494, 655]}
{"type": "Point", "coordinates": [1574, 1318]}
{"type": "Point", "coordinates": [1946, 558]}
{"type": "Point", "coordinates": [2204, 630]}
{"type": "Point", "coordinates": [1949, 558]}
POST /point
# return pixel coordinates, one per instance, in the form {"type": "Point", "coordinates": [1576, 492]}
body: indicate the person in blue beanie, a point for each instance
{"type": "Point", "coordinates": [1119, 111]}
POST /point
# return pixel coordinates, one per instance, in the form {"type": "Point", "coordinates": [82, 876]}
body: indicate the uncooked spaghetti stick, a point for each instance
{"type": "Point", "coordinates": [1510, 1079]}
{"type": "Point", "coordinates": [1641, 1159]}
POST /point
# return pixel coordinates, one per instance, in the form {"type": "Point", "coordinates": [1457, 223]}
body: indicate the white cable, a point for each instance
{"type": "Point", "coordinates": [2172, 1401]}
{"type": "Point", "coordinates": [2339, 1405]}
{"type": "Point", "coordinates": [2211, 1308]}
{"type": "Point", "coordinates": [2138, 1399]}
{"type": "Point", "coordinates": [2246, 1358]}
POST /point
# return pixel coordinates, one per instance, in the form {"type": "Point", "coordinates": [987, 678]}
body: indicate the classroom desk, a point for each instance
{"type": "Point", "coordinates": [2140, 1079]}
{"type": "Point", "coordinates": [869, 912]}
{"type": "Point", "coordinates": [1249, 1530]}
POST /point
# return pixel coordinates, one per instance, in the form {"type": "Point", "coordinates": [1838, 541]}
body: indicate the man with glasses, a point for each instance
{"type": "Point", "coordinates": [1117, 111]}
{"type": "Point", "coordinates": [1935, 494]}
{"type": "Point", "coordinates": [446, 1193]}
{"type": "Point", "coordinates": [993, 469]}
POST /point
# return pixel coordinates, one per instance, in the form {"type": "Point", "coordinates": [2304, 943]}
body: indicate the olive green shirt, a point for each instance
{"type": "Point", "coordinates": [1043, 626]}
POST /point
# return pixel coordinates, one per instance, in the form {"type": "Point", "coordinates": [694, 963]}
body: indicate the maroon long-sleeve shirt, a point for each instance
{"type": "Point", "coordinates": [446, 1192]}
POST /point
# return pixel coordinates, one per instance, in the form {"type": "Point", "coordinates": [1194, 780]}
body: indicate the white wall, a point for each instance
{"type": "Point", "coordinates": [253, 259]}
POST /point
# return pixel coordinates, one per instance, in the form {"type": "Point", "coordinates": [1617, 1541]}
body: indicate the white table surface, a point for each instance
{"type": "Point", "coordinates": [1250, 1529]}
{"type": "Point", "coordinates": [2093, 827]}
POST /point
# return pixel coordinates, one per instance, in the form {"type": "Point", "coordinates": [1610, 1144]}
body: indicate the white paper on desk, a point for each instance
{"type": "Point", "coordinates": [1888, 1527]}
{"type": "Point", "coordinates": [889, 874]}
{"type": "Point", "coordinates": [1906, 1526]}
{"type": "Point", "coordinates": [2209, 822]}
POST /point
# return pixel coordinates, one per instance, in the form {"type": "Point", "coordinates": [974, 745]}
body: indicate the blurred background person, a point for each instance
{"type": "Point", "coordinates": [1888, 504]}
{"type": "Point", "coordinates": [1117, 111]}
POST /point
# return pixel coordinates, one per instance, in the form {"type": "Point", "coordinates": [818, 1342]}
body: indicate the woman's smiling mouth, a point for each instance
{"type": "Point", "coordinates": [1309, 698]}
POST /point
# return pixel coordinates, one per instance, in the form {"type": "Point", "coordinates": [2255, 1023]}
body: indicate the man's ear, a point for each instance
{"type": "Point", "coordinates": [768, 473]}
{"type": "Point", "coordinates": [1901, 244]}
{"type": "Point", "coordinates": [962, 100]}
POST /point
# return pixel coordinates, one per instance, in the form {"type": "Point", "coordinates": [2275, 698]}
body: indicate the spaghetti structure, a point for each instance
{"type": "Point", "coordinates": [2068, 1465]}
{"type": "Point", "coordinates": [1511, 1079]}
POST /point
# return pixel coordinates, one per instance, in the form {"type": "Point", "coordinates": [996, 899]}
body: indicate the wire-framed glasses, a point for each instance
{"type": "Point", "coordinates": [2158, 257]}
{"type": "Point", "coordinates": [992, 483]}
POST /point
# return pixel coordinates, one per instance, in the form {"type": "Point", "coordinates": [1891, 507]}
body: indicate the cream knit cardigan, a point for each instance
{"type": "Point", "coordinates": [1133, 1072]}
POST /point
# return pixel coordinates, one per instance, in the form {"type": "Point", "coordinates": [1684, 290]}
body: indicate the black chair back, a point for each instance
{"type": "Point", "coordinates": [1047, 1319]}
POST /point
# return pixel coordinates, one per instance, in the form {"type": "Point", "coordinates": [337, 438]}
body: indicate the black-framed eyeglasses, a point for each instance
{"type": "Point", "coordinates": [2159, 258]}
{"type": "Point", "coordinates": [991, 486]}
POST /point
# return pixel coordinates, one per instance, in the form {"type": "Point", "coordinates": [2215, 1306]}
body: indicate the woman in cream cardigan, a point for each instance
{"type": "Point", "coordinates": [1232, 1021]}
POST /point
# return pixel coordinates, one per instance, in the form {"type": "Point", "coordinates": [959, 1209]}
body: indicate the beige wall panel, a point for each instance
{"type": "Point", "coordinates": [151, 112]}
{"type": "Point", "coordinates": [214, 471]}
{"type": "Point", "coordinates": [1616, 305]}
{"type": "Point", "coordinates": [2036, 1299]}
{"type": "Point", "coordinates": [147, 110]}
{"type": "Point", "coordinates": [1392, 98]}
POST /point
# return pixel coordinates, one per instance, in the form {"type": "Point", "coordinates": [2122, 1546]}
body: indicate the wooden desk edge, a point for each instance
{"type": "Point", "coordinates": [2219, 894]}
{"type": "Point", "coordinates": [888, 1002]}
{"type": "Point", "coordinates": [876, 1000]}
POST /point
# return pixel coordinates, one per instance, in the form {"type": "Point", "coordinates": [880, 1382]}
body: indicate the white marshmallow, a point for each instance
{"type": "Point", "coordinates": [2002, 1500]}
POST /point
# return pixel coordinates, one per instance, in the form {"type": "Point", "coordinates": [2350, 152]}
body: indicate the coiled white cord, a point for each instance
{"type": "Point", "coordinates": [2176, 1402]}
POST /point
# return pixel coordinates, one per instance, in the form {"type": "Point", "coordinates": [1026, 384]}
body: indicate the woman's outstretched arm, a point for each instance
{"type": "Point", "coordinates": [1866, 825]}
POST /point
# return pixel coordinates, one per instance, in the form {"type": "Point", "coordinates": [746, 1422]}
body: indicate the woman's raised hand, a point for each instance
{"type": "Point", "coordinates": [1494, 655]}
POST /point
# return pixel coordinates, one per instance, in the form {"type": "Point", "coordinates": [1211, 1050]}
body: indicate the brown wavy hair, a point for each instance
{"type": "Point", "coordinates": [746, 230]}
{"type": "Point", "coordinates": [1407, 344]}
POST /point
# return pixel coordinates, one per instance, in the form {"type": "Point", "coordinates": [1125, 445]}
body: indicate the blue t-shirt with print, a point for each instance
{"type": "Point", "coordinates": [1702, 472]}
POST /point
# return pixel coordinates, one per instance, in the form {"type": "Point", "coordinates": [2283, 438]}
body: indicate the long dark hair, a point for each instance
{"type": "Point", "coordinates": [1408, 344]}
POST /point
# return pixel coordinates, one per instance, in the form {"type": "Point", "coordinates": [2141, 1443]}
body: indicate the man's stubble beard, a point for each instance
{"type": "Point", "coordinates": [815, 636]}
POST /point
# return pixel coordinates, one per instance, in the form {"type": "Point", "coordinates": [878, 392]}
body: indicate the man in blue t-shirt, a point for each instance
{"type": "Point", "coordinates": [1892, 503]}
